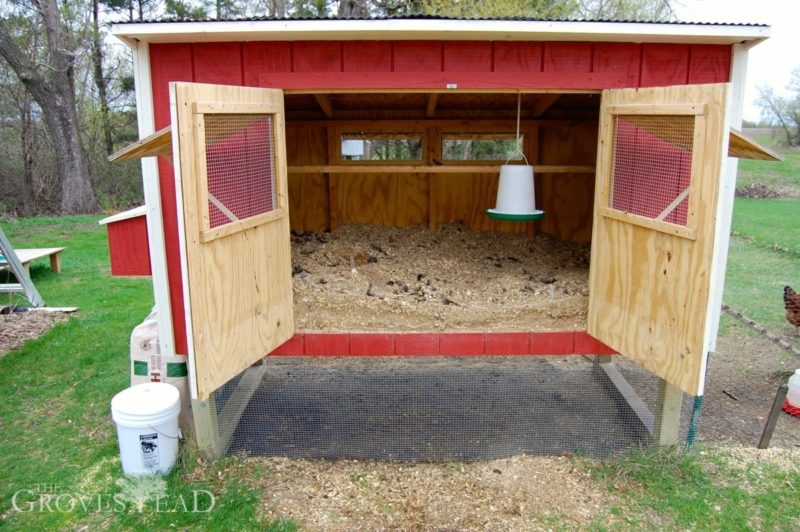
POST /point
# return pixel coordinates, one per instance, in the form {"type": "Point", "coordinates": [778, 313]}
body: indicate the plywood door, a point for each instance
{"type": "Point", "coordinates": [660, 158]}
{"type": "Point", "coordinates": [231, 177]}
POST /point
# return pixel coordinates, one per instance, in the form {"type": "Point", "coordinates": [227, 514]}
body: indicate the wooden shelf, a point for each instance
{"type": "Point", "coordinates": [428, 169]}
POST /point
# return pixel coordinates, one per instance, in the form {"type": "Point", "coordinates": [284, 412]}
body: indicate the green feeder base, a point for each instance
{"type": "Point", "coordinates": [508, 217]}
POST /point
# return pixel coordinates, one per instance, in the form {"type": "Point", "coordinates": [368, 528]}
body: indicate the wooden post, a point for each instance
{"type": "Point", "coordinates": [433, 154]}
{"type": "Point", "coordinates": [432, 202]}
{"type": "Point", "coordinates": [206, 427]}
{"type": "Point", "coordinates": [626, 391]}
{"type": "Point", "coordinates": [668, 414]}
{"type": "Point", "coordinates": [772, 418]}
{"type": "Point", "coordinates": [334, 149]}
{"type": "Point", "coordinates": [55, 262]}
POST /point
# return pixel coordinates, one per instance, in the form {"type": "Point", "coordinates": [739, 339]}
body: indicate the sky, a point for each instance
{"type": "Point", "coordinates": [770, 62]}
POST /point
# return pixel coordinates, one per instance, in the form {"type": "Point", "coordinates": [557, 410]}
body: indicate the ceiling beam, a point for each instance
{"type": "Point", "coordinates": [431, 105]}
{"type": "Point", "coordinates": [543, 103]}
{"type": "Point", "coordinates": [324, 102]}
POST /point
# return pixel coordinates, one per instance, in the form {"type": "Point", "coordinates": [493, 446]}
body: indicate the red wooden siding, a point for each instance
{"type": "Point", "coordinates": [128, 248]}
{"type": "Point", "coordinates": [417, 56]}
{"type": "Point", "coordinates": [518, 57]}
{"type": "Point", "coordinates": [467, 56]}
{"type": "Point", "coordinates": [258, 57]}
{"type": "Point", "coordinates": [709, 63]}
{"type": "Point", "coordinates": [571, 57]}
{"type": "Point", "coordinates": [218, 63]}
{"type": "Point", "coordinates": [410, 65]}
{"type": "Point", "coordinates": [664, 64]}
{"type": "Point", "coordinates": [621, 58]}
{"type": "Point", "coordinates": [317, 56]}
{"type": "Point", "coordinates": [367, 56]}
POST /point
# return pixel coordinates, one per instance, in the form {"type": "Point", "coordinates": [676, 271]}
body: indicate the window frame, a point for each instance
{"type": "Point", "coordinates": [339, 132]}
{"type": "Point", "coordinates": [200, 110]}
{"type": "Point", "coordinates": [698, 111]}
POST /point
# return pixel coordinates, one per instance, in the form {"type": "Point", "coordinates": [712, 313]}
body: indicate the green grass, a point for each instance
{"type": "Point", "coordinates": [763, 257]}
{"type": "Point", "coordinates": [783, 175]}
{"type": "Point", "coordinates": [771, 223]}
{"type": "Point", "coordinates": [55, 394]}
{"type": "Point", "coordinates": [703, 489]}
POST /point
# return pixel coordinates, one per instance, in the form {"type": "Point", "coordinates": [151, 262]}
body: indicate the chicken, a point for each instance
{"type": "Point", "coordinates": [791, 300]}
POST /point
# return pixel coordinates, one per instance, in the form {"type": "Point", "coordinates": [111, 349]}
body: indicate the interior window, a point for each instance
{"type": "Point", "coordinates": [381, 147]}
{"type": "Point", "coordinates": [480, 147]}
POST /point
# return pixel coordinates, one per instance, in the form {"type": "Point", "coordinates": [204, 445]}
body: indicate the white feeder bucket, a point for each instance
{"type": "Point", "coordinates": [516, 198]}
{"type": "Point", "coordinates": [147, 427]}
{"type": "Point", "coordinates": [793, 394]}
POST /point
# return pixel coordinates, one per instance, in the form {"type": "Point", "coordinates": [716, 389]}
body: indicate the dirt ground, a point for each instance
{"type": "Point", "coordinates": [373, 278]}
{"type": "Point", "coordinates": [16, 328]}
{"type": "Point", "coordinates": [743, 377]}
{"type": "Point", "coordinates": [521, 493]}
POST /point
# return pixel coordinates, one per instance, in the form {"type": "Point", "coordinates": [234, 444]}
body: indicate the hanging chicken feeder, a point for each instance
{"type": "Point", "coordinates": [516, 197]}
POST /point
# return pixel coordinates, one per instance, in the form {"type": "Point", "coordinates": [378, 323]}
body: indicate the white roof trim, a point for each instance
{"type": "Point", "coordinates": [125, 215]}
{"type": "Point", "coordinates": [437, 29]}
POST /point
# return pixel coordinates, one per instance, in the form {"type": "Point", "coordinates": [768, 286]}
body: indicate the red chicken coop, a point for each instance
{"type": "Point", "coordinates": [321, 189]}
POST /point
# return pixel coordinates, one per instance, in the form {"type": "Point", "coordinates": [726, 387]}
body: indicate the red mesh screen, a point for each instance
{"type": "Point", "coordinates": [240, 160]}
{"type": "Point", "coordinates": [652, 165]}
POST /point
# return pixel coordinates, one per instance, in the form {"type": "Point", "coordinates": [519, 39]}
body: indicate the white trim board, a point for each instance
{"type": "Point", "coordinates": [125, 215]}
{"type": "Point", "coordinates": [152, 198]}
{"type": "Point", "coordinates": [438, 29]}
{"type": "Point", "coordinates": [727, 192]}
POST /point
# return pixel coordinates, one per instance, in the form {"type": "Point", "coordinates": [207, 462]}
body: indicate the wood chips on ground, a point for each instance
{"type": "Point", "coordinates": [521, 493]}
{"type": "Point", "coordinates": [378, 278]}
{"type": "Point", "coordinates": [17, 328]}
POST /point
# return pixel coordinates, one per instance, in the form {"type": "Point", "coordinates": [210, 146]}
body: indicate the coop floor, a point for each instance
{"type": "Point", "coordinates": [378, 278]}
{"type": "Point", "coordinates": [433, 409]}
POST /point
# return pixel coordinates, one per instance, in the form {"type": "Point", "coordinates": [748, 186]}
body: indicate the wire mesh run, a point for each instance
{"type": "Point", "coordinates": [240, 162]}
{"type": "Point", "coordinates": [433, 408]}
{"type": "Point", "coordinates": [652, 165]}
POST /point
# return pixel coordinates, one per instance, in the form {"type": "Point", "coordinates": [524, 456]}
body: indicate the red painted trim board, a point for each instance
{"type": "Point", "coordinates": [443, 344]}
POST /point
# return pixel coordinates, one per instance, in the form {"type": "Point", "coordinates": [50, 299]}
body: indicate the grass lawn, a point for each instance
{"type": "Point", "coordinates": [55, 394]}
{"type": "Point", "coordinates": [764, 256]}
{"type": "Point", "coordinates": [783, 175]}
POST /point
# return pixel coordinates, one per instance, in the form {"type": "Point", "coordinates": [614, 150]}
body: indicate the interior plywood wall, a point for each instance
{"type": "Point", "coordinates": [405, 199]}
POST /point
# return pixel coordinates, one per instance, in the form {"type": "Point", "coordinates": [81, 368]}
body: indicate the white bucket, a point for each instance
{"type": "Point", "coordinates": [147, 427]}
{"type": "Point", "coordinates": [515, 194]}
{"type": "Point", "coordinates": [793, 394]}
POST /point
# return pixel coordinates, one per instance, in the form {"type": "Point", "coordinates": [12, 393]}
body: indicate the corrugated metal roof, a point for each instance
{"type": "Point", "coordinates": [434, 17]}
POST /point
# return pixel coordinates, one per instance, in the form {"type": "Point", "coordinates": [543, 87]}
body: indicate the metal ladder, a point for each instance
{"type": "Point", "coordinates": [24, 285]}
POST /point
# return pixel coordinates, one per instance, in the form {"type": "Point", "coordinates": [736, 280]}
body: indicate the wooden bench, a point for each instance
{"type": "Point", "coordinates": [26, 256]}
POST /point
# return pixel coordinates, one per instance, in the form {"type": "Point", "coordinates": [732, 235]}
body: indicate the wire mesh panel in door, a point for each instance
{"type": "Point", "coordinates": [652, 166]}
{"type": "Point", "coordinates": [240, 162]}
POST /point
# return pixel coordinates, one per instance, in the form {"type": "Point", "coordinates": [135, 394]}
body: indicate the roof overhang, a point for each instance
{"type": "Point", "coordinates": [437, 29]}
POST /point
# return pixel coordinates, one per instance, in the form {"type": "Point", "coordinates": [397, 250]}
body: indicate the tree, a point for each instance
{"type": "Point", "coordinates": [501, 8]}
{"type": "Point", "coordinates": [783, 111]}
{"type": "Point", "coordinates": [185, 10]}
{"type": "Point", "coordinates": [51, 83]}
{"type": "Point", "coordinates": [100, 78]}
{"type": "Point", "coordinates": [136, 9]}
{"type": "Point", "coordinates": [659, 10]}
{"type": "Point", "coordinates": [353, 8]}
